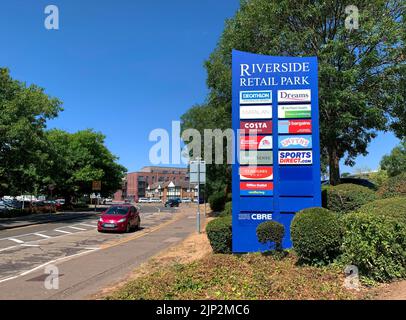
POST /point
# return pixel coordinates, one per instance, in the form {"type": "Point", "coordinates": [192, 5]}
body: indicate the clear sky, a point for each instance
{"type": "Point", "coordinates": [123, 67]}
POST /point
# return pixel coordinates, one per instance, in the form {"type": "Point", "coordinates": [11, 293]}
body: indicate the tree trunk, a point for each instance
{"type": "Point", "coordinates": [334, 166]}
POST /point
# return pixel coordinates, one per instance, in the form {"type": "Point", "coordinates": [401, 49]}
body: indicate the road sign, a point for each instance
{"type": "Point", "coordinates": [197, 172]}
{"type": "Point", "coordinates": [275, 110]}
{"type": "Point", "coordinates": [96, 185]}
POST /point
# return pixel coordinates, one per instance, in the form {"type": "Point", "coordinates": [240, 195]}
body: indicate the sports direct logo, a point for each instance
{"type": "Point", "coordinates": [255, 97]}
{"type": "Point", "coordinates": [295, 157]}
{"type": "Point", "coordinates": [256, 173]}
{"type": "Point", "coordinates": [294, 95]}
{"type": "Point", "coordinates": [293, 142]}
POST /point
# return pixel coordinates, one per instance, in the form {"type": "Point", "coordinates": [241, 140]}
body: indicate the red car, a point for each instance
{"type": "Point", "coordinates": [122, 218]}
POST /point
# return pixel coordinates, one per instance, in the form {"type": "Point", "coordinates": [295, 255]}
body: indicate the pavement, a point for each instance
{"type": "Point", "coordinates": [84, 260]}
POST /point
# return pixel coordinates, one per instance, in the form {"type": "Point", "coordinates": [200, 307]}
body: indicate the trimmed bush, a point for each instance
{"type": "Point", "coordinates": [227, 209]}
{"type": "Point", "coordinates": [393, 187]}
{"type": "Point", "coordinates": [219, 234]}
{"type": "Point", "coordinates": [316, 235]}
{"type": "Point", "coordinates": [376, 245]}
{"type": "Point", "coordinates": [391, 208]}
{"type": "Point", "coordinates": [271, 231]}
{"type": "Point", "coordinates": [348, 197]}
{"type": "Point", "coordinates": [217, 201]}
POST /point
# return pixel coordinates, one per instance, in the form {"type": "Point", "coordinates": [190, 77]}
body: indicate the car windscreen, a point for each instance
{"type": "Point", "coordinates": [117, 210]}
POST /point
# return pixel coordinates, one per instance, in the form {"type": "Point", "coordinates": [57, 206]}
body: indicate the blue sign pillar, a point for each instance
{"type": "Point", "coordinates": [275, 115]}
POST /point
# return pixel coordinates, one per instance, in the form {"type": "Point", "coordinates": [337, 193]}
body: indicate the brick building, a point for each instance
{"type": "Point", "coordinates": [136, 184]}
{"type": "Point", "coordinates": [172, 190]}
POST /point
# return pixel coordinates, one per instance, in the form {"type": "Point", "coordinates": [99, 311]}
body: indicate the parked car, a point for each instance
{"type": "Point", "coordinates": [186, 200]}
{"type": "Point", "coordinates": [172, 203]}
{"type": "Point", "coordinates": [143, 200]}
{"type": "Point", "coordinates": [155, 200]}
{"type": "Point", "coordinates": [121, 218]}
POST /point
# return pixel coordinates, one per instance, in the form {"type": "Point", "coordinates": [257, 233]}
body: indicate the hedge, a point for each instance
{"type": "Point", "coordinates": [316, 234]}
{"type": "Point", "coordinates": [348, 197]}
{"type": "Point", "coordinates": [219, 234]}
{"type": "Point", "coordinates": [217, 201]}
{"type": "Point", "coordinates": [375, 244]}
{"type": "Point", "coordinates": [393, 187]}
{"type": "Point", "coordinates": [394, 208]}
{"type": "Point", "coordinates": [271, 232]}
{"type": "Point", "coordinates": [227, 209]}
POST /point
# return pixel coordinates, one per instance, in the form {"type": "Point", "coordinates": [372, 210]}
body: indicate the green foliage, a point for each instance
{"type": "Point", "coordinates": [376, 245]}
{"type": "Point", "coordinates": [393, 187]}
{"type": "Point", "coordinates": [348, 197]}
{"type": "Point", "coordinates": [77, 159]}
{"type": "Point", "coordinates": [390, 208]}
{"type": "Point", "coordinates": [271, 232]}
{"type": "Point", "coordinates": [378, 178]}
{"type": "Point", "coordinates": [359, 71]}
{"type": "Point", "coordinates": [227, 209]}
{"type": "Point", "coordinates": [217, 201]}
{"type": "Point", "coordinates": [395, 163]}
{"type": "Point", "coordinates": [316, 235]}
{"type": "Point", "coordinates": [24, 111]}
{"type": "Point", "coordinates": [219, 234]}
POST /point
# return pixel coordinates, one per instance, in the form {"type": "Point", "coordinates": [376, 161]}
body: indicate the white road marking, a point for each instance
{"type": "Point", "coordinates": [29, 245]}
{"type": "Point", "coordinates": [87, 225]}
{"type": "Point", "coordinates": [16, 240]}
{"type": "Point", "coordinates": [63, 231]}
{"type": "Point", "coordinates": [42, 235]}
{"type": "Point", "coordinates": [8, 248]}
{"type": "Point", "coordinates": [76, 228]}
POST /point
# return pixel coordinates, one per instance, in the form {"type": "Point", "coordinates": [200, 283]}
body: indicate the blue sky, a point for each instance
{"type": "Point", "coordinates": [123, 67]}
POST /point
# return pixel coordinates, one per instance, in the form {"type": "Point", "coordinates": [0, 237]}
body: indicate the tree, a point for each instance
{"type": "Point", "coordinates": [358, 69]}
{"type": "Point", "coordinates": [75, 160]}
{"type": "Point", "coordinates": [395, 162]}
{"type": "Point", "coordinates": [24, 111]}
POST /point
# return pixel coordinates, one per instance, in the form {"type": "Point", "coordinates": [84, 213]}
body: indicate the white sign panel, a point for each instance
{"type": "Point", "coordinates": [296, 96]}
{"type": "Point", "coordinates": [256, 112]}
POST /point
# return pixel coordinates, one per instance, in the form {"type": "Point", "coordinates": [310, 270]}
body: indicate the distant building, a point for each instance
{"type": "Point", "coordinates": [136, 184]}
{"type": "Point", "coordinates": [171, 190]}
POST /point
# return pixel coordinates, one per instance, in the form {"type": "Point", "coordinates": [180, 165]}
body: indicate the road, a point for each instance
{"type": "Point", "coordinates": [87, 261]}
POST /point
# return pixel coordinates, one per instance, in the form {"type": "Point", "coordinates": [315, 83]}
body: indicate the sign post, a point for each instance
{"type": "Point", "coordinates": [198, 175]}
{"type": "Point", "coordinates": [277, 168]}
{"type": "Point", "coordinates": [96, 186]}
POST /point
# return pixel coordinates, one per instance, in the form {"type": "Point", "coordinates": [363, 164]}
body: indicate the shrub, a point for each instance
{"type": "Point", "coordinates": [378, 178]}
{"type": "Point", "coordinates": [393, 187]}
{"type": "Point", "coordinates": [391, 208]}
{"type": "Point", "coordinates": [219, 234]}
{"type": "Point", "coordinates": [227, 209]}
{"type": "Point", "coordinates": [376, 245]}
{"type": "Point", "coordinates": [217, 201]}
{"type": "Point", "coordinates": [348, 197]}
{"type": "Point", "coordinates": [271, 231]}
{"type": "Point", "coordinates": [317, 235]}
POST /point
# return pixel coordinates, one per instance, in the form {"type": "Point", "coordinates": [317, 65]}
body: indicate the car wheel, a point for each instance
{"type": "Point", "coordinates": [138, 227]}
{"type": "Point", "coordinates": [128, 228]}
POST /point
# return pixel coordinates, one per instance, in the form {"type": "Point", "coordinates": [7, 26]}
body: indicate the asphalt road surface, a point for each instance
{"type": "Point", "coordinates": [86, 261]}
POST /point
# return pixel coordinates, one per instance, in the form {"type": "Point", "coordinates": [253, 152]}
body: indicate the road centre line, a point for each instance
{"type": "Point", "coordinates": [63, 231]}
{"type": "Point", "coordinates": [16, 240]}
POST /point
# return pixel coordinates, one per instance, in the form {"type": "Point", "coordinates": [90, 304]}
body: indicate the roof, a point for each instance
{"type": "Point", "coordinates": [182, 184]}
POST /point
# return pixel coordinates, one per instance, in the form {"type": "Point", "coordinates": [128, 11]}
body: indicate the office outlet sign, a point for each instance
{"type": "Point", "coordinates": [277, 167]}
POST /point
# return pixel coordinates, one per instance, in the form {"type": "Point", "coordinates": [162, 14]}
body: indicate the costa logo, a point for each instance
{"type": "Point", "coordinates": [295, 126]}
{"type": "Point", "coordinates": [254, 97]}
{"type": "Point", "coordinates": [294, 95]}
{"type": "Point", "coordinates": [255, 142]}
{"type": "Point", "coordinates": [295, 142]}
{"type": "Point", "coordinates": [256, 173]}
{"type": "Point", "coordinates": [256, 188]}
{"type": "Point", "coordinates": [295, 157]}
{"type": "Point", "coordinates": [256, 127]}
{"type": "Point", "coordinates": [256, 112]}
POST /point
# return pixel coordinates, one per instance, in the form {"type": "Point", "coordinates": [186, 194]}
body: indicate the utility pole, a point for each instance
{"type": "Point", "coordinates": [198, 194]}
